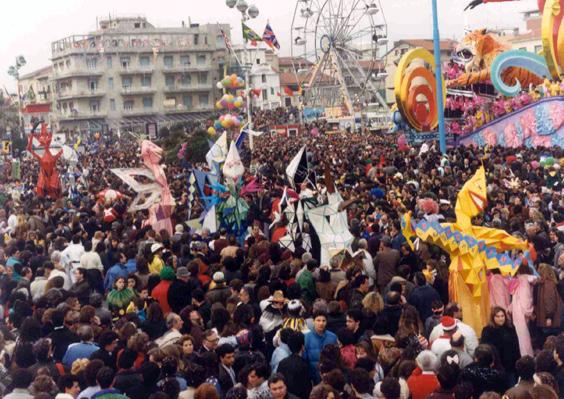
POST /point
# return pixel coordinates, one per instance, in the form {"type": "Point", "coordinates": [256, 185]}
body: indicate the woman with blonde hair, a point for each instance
{"type": "Point", "coordinates": [373, 302]}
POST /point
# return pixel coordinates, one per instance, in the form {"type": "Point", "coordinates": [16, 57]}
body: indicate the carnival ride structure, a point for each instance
{"type": "Point", "coordinates": [344, 41]}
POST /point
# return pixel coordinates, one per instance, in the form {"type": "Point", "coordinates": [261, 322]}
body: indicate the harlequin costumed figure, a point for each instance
{"type": "Point", "coordinates": [48, 184]}
{"type": "Point", "coordinates": [473, 250]}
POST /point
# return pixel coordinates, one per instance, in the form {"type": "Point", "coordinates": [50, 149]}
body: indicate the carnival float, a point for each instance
{"type": "Point", "coordinates": [492, 95]}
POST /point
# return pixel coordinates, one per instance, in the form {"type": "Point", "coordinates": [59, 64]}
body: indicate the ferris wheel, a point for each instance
{"type": "Point", "coordinates": [337, 49]}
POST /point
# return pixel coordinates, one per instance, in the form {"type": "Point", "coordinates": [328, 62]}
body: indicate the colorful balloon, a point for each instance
{"type": "Point", "coordinates": [211, 130]}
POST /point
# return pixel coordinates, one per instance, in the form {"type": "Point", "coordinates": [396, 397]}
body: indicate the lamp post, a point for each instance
{"type": "Point", "coordinates": [438, 78]}
{"type": "Point", "coordinates": [247, 12]}
{"type": "Point", "coordinates": [14, 71]}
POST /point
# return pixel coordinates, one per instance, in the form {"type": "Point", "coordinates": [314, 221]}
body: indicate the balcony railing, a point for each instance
{"type": "Point", "coordinates": [176, 88]}
{"type": "Point", "coordinates": [194, 67]}
{"type": "Point", "coordinates": [140, 69]}
{"type": "Point", "coordinates": [132, 90]}
{"type": "Point", "coordinates": [77, 72]}
{"type": "Point", "coordinates": [79, 115]}
{"type": "Point", "coordinates": [62, 95]}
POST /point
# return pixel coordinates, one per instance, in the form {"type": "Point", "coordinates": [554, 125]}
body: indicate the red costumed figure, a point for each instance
{"type": "Point", "coordinates": [48, 183]}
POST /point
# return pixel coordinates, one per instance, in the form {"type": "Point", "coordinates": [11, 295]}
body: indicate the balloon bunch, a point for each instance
{"type": "Point", "coordinates": [227, 121]}
{"type": "Point", "coordinates": [547, 162]}
{"type": "Point", "coordinates": [231, 82]}
{"type": "Point", "coordinates": [229, 101]}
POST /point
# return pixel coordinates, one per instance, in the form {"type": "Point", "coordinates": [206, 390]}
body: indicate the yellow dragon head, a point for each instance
{"type": "Point", "coordinates": [478, 49]}
{"type": "Point", "coordinates": [472, 198]}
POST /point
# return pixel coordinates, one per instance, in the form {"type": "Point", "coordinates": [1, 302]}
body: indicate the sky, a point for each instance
{"type": "Point", "coordinates": [27, 27]}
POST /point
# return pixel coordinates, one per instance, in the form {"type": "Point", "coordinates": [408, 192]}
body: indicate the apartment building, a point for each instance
{"type": "Point", "coordinates": [36, 96]}
{"type": "Point", "coordinates": [129, 73]}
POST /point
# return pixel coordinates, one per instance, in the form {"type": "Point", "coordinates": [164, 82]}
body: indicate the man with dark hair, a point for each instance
{"type": "Point", "coordinates": [69, 384]}
{"type": "Point", "coordinates": [353, 323]}
{"type": "Point", "coordinates": [226, 375]}
{"type": "Point", "coordinates": [315, 340]}
{"type": "Point", "coordinates": [105, 378]}
{"type": "Point", "coordinates": [360, 286]}
{"type": "Point", "coordinates": [359, 379]}
{"type": "Point", "coordinates": [61, 336]}
{"type": "Point", "coordinates": [437, 309]}
{"type": "Point", "coordinates": [278, 387]}
{"type": "Point", "coordinates": [81, 287]}
{"type": "Point", "coordinates": [525, 369]}
{"type": "Point", "coordinates": [282, 351]}
{"type": "Point", "coordinates": [295, 369]}
{"type": "Point", "coordinates": [392, 312]}
{"type": "Point", "coordinates": [390, 388]}
{"type": "Point", "coordinates": [108, 342]}
{"type": "Point", "coordinates": [21, 379]}
{"type": "Point", "coordinates": [422, 296]}
{"type": "Point", "coordinates": [448, 378]}
{"type": "Point", "coordinates": [127, 377]}
{"type": "Point", "coordinates": [483, 376]}
{"type": "Point", "coordinates": [307, 282]}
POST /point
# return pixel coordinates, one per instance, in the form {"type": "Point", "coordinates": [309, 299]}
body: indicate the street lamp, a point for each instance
{"type": "Point", "coordinates": [14, 71]}
{"type": "Point", "coordinates": [247, 12]}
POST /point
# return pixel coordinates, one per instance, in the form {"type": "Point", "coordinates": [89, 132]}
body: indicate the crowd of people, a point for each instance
{"type": "Point", "coordinates": [96, 304]}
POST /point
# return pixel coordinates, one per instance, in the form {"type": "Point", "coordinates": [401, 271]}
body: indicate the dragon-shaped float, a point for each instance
{"type": "Point", "coordinates": [474, 250]}
{"type": "Point", "coordinates": [520, 118]}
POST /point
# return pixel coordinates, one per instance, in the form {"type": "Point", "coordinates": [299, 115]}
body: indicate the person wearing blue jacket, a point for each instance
{"type": "Point", "coordinates": [315, 341]}
{"type": "Point", "coordinates": [117, 270]}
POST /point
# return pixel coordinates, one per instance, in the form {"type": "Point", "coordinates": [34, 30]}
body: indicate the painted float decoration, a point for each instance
{"type": "Point", "coordinates": [485, 59]}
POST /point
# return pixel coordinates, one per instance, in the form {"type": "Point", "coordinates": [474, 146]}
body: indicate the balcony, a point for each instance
{"type": "Point", "coordinates": [80, 115]}
{"type": "Point", "coordinates": [139, 111]}
{"type": "Point", "coordinates": [133, 90]}
{"type": "Point", "coordinates": [137, 70]}
{"type": "Point", "coordinates": [187, 68]}
{"type": "Point", "coordinates": [79, 94]}
{"type": "Point", "coordinates": [77, 73]}
{"type": "Point", "coordinates": [182, 109]}
{"type": "Point", "coordinates": [187, 88]}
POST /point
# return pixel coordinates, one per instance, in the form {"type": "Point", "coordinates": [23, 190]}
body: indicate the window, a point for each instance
{"type": "Point", "coordinates": [112, 104]}
{"type": "Point", "coordinates": [169, 80]}
{"type": "Point", "coordinates": [91, 62]}
{"type": "Point", "coordinates": [137, 25]}
{"type": "Point", "coordinates": [196, 39]}
{"type": "Point", "coordinates": [109, 61]}
{"type": "Point", "coordinates": [125, 62]}
{"type": "Point", "coordinates": [110, 83]}
{"type": "Point", "coordinates": [128, 105]}
{"type": "Point", "coordinates": [264, 94]}
{"type": "Point", "coordinates": [201, 60]}
{"type": "Point", "coordinates": [184, 60]}
{"type": "Point", "coordinates": [263, 78]}
{"type": "Point", "coordinates": [93, 85]}
{"type": "Point", "coordinates": [145, 81]}
{"type": "Point", "coordinates": [288, 101]}
{"type": "Point", "coordinates": [203, 78]}
{"type": "Point", "coordinates": [126, 82]}
{"type": "Point", "coordinates": [185, 80]}
{"type": "Point", "coordinates": [67, 63]}
{"type": "Point", "coordinates": [258, 61]}
{"type": "Point", "coordinates": [206, 40]}
{"type": "Point", "coordinates": [170, 101]}
{"type": "Point", "coordinates": [168, 61]}
{"type": "Point", "coordinates": [144, 61]}
{"type": "Point", "coordinates": [203, 99]}
{"type": "Point", "coordinates": [272, 91]}
{"type": "Point", "coordinates": [147, 102]}
{"type": "Point", "coordinates": [94, 106]}
{"type": "Point", "coordinates": [187, 101]}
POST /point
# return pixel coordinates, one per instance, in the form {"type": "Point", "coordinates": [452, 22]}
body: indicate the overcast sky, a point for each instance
{"type": "Point", "coordinates": [27, 27]}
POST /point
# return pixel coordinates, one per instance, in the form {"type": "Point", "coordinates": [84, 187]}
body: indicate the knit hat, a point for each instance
{"type": "Point", "coordinates": [218, 277]}
{"type": "Point", "coordinates": [448, 323]}
{"type": "Point", "coordinates": [167, 273]}
{"type": "Point", "coordinates": [182, 272]}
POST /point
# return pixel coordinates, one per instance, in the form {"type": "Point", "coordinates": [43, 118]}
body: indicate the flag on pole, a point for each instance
{"type": "Point", "coordinates": [250, 35]}
{"type": "Point", "coordinates": [228, 45]}
{"type": "Point", "coordinates": [270, 38]}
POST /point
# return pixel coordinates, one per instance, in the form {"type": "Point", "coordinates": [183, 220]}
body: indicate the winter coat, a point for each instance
{"type": "Point", "coordinates": [484, 379]}
{"type": "Point", "coordinates": [219, 293]}
{"type": "Point", "coordinates": [504, 340]}
{"type": "Point", "coordinates": [179, 295]}
{"type": "Point", "coordinates": [296, 371]}
{"type": "Point", "coordinates": [314, 343]}
{"type": "Point", "coordinates": [160, 294]}
{"type": "Point", "coordinates": [421, 298]}
{"type": "Point", "coordinates": [548, 303]}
